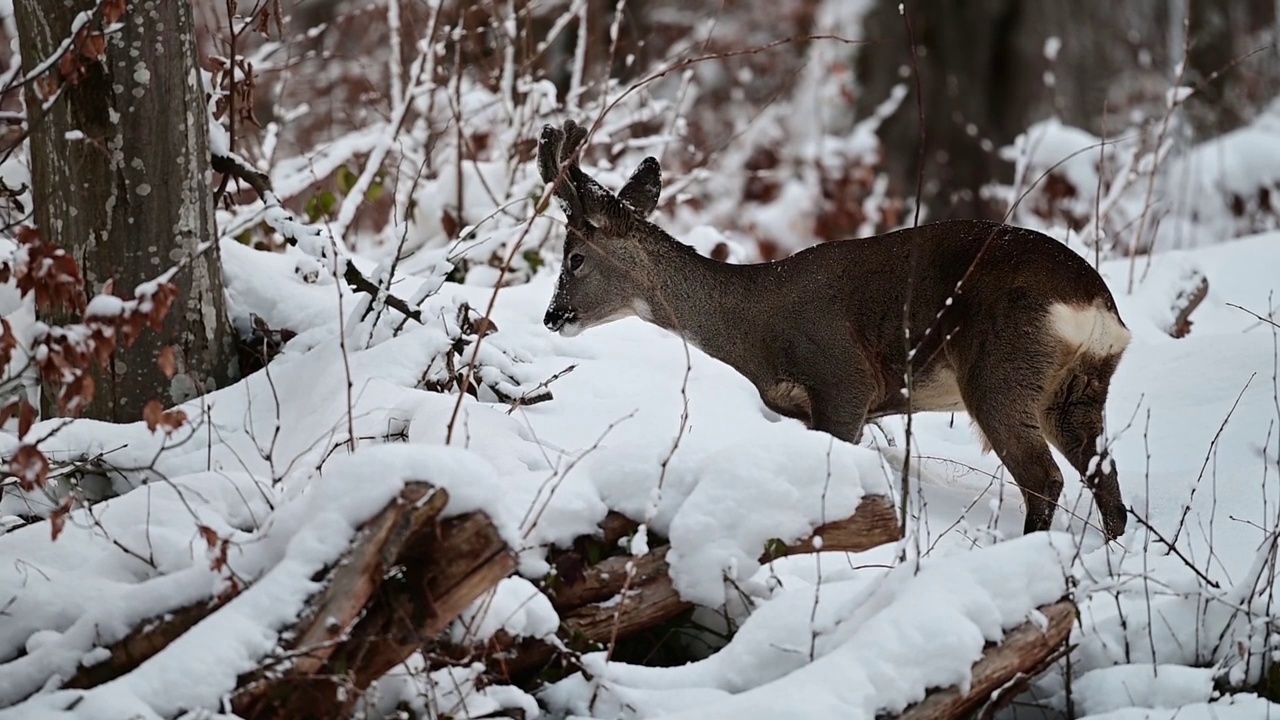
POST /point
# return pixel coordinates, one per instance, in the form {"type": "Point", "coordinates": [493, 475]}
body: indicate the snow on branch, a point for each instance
{"type": "Point", "coordinates": [310, 239]}
{"type": "Point", "coordinates": [65, 354]}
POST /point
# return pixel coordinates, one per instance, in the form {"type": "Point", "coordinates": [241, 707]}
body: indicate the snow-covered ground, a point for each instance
{"type": "Point", "coordinates": [1194, 426]}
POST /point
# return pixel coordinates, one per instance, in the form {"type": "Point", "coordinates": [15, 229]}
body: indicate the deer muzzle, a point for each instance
{"type": "Point", "coordinates": [560, 319]}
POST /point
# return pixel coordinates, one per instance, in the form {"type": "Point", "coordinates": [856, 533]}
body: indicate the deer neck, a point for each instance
{"type": "Point", "coordinates": [693, 295]}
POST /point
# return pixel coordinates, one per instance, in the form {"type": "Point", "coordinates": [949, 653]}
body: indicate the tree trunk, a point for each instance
{"type": "Point", "coordinates": [120, 169]}
{"type": "Point", "coordinates": [983, 66]}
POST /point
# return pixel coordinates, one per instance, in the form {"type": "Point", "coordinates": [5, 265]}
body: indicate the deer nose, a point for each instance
{"type": "Point", "coordinates": [555, 318]}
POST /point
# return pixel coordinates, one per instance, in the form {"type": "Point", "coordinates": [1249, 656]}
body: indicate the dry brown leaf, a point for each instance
{"type": "Point", "coordinates": [113, 11]}
{"type": "Point", "coordinates": [58, 519]}
{"type": "Point", "coordinates": [26, 417]}
{"type": "Point", "coordinates": [30, 466]}
{"type": "Point", "coordinates": [168, 362]}
{"type": "Point", "coordinates": [209, 535]}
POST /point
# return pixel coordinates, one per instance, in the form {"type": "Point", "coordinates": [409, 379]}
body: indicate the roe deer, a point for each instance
{"type": "Point", "coordinates": [1005, 322]}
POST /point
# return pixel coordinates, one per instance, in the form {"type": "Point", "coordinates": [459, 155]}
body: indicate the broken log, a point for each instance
{"type": "Point", "coordinates": [1003, 670]}
{"type": "Point", "coordinates": [873, 523]}
{"type": "Point", "coordinates": [623, 595]}
{"type": "Point", "coordinates": [416, 585]}
{"type": "Point", "coordinates": [606, 578]}
{"type": "Point", "coordinates": [332, 614]}
{"type": "Point", "coordinates": [645, 602]}
{"type": "Point", "coordinates": [352, 581]}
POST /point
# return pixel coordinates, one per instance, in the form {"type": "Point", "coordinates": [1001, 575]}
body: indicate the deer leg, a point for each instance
{"type": "Point", "coordinates": [1073, 422]}
{"type": "Point", "coordinates": [1003, 393]}
{"type": "Point", "coordinates": [839, 407]}
{"type": "Point", "coordinates": [1019, 444]}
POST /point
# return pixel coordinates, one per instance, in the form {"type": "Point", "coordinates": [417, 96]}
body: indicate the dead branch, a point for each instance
{"type": "Point", "coordinates": [232, 166]}
{"type": "Point", "coordinates": [437, 571]}
{"type": "Point", "coordinates": [1025, 652]}
{"type": "Point", "coordinates": [1185, 303]}
{"type": "Point", "coordinates": [142, 643]}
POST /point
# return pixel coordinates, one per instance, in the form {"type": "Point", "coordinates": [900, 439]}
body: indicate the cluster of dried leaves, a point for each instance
{"type": "Point", "coordinates": [65, 355]}
{"type": "Point", "coordinates": [88, 47]}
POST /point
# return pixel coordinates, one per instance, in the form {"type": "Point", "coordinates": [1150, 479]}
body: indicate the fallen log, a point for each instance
{"type": "Point", "coordinates": [1003, 670]}
{"type": "Point", "coordinates": [389, 600]}
{"type": "Point", "coordinates": [606, 578]}
{"type": "Point", "coordinates": [352, 581]}
{"type": "Point", "coordinates": [647, 601]}
{"type": "Point", "coordinates": [623, 595]}
{"type": "Point", "coordinates": [873, 523]}
{"type": "Point", "coordinates": [142, 643]}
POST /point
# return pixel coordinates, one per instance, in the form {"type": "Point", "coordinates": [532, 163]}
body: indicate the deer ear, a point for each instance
{"type": "Point", "coordinates": [643, 187]}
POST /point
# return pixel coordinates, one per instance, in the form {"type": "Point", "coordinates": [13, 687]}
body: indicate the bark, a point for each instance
{"type": "Point", "coordinates": [1004, 670]}
{"type": "Point", "coordinates": [874, 523]}
{"type": "Point", "coordinates": [132, 197]}
{"type": "Point", "coordinates": [349, 642]}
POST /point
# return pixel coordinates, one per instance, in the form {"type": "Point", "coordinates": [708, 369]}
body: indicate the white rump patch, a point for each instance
{"type": "Point", "coordinates": [1089, 329]}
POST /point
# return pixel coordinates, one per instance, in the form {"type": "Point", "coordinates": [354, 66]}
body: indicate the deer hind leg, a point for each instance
{"type": "Point", "coordinates": [1003, 390]}
{"type": "Point", "coordinates": [1073, 421]}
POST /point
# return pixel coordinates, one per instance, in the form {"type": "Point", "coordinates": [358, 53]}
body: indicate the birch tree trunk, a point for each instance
{"type": "Point", "coordinates": [120, 169]}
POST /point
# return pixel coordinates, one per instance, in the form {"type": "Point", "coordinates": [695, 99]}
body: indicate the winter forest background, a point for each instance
{"type": "Point", "coordinates": [284, 435]}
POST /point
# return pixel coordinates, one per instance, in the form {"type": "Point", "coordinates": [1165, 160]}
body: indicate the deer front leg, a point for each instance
{"type": "Point", "coordinates": [840, 409]}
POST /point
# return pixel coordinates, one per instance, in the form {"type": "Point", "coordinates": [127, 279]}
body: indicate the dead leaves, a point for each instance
{"type": "Point", "coordinates": [88, 48]}
{"type": "Point", "coordinates": [219, 547]}
{"type": "Point", "coordinates": [65, 355]}
{"type": "Point", "coordinates": [46, 270]}
{"type": "Point", "coordinates": [167, 362]}
{"type": "Point", "coordinates": [30, 467]}
{"type": "Point", "coordinates": [58, 519]}
{"type": "Point", "coordinates": [24, 411]}
{"type": "Point", "coordinates": [113, 11]}
{"type": "Point", "coordinates": [157, 418]}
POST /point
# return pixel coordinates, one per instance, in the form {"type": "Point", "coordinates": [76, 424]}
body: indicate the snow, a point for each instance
{"type": "Point", "coordinates": [280, 469]}
{"type": "Point", "coordinates": [278, 485]}
{"type": "Point", "coordinates": [515, 606]}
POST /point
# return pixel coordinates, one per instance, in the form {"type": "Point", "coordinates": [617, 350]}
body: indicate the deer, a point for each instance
{"type": "Point", "coordinates": [1004, 323]}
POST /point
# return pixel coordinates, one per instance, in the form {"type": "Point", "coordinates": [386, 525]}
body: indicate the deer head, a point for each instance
{"type": "Point", "coordinates": [605, 271]}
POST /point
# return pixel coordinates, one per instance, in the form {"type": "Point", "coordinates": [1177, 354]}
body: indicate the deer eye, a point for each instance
{"type": "Point", "coordinates": [575, 261]}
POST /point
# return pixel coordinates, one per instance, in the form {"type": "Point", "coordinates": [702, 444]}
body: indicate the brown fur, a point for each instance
{"type": "Point", "coordinates": [1027, 344]}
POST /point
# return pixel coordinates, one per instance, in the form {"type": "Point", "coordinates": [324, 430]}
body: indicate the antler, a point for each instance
{"type": "Point", "coordinates": [556, 149]}
{"type": "Point", "coordinates": [580, 196]}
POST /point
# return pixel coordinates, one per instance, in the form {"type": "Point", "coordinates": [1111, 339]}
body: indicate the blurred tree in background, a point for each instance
{"type": "Point", "coordinates": [990, 68]}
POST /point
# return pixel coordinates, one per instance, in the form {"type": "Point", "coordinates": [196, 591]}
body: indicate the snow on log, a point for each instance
{"type": "Point", "coordinates": [874, 523]}
{"type": "Point", "coordinates": [306, 636]}
{"type": "Point", "coordinates": [623, 595]}
{"type": "Point", "coordinates": [1171, 290]}
{"type": "Point", "coordinates": [397, 590]}
{"type": "Point", "coordinates": [1004, 669]}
